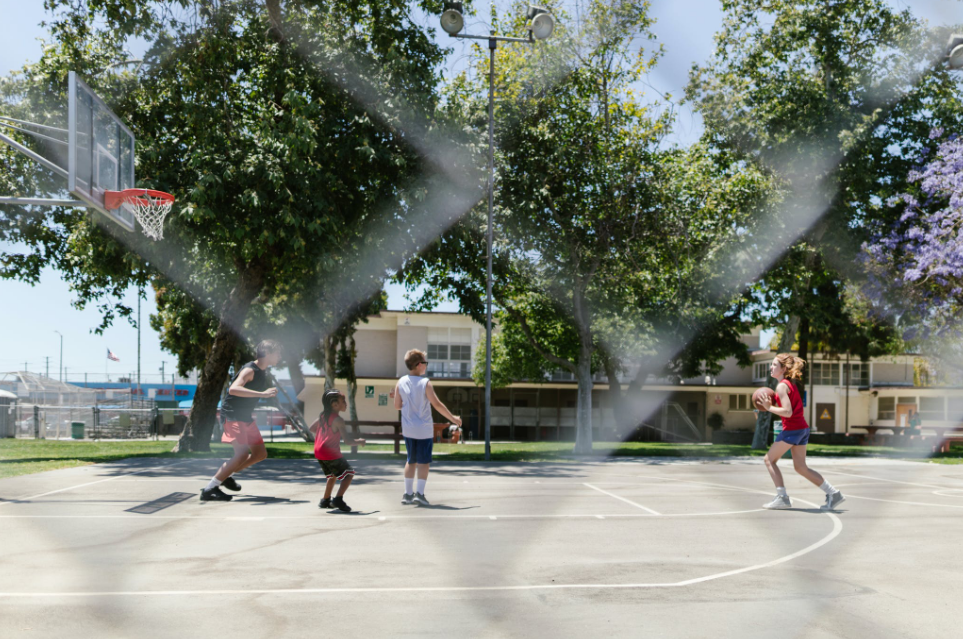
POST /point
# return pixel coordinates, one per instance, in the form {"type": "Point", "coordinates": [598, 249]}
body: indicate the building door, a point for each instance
{"type": "Point", "coordinates": [826, 418]}
{"type": "Point", "coordinates": [903, 413]}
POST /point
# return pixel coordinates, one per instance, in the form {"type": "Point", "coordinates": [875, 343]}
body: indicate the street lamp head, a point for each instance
{"type": "Point", "coordinates": [954, 51]}
{"type": "Point", "coordinates": [451, 20]}
{"type": "Point", "coordinates": [542, 22]}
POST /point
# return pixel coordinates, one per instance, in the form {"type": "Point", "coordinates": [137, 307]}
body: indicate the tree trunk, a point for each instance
{"type": "Point", "coordinates": [616, 397]}
{"type": "Point", "coordinates": [352, 351]}
{"type": "Point", "coordinates": [297, 378]}
{"type": "Point", "coordinates": [583, 430]}
{"type": "Point", "coordinates": [330, 347]}
{"type": "Point", "coordinates": [200, 423]}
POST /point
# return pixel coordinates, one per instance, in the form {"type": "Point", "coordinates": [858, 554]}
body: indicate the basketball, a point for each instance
{"type": "Point", "coordinates": [758, 394]}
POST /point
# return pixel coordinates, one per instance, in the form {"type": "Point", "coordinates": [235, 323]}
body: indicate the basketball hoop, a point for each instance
{"type": "Point", "coordinates": [149, 207]}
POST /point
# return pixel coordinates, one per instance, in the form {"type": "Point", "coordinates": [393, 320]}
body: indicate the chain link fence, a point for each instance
{"type": "Point", "coordinates": [134, 420]}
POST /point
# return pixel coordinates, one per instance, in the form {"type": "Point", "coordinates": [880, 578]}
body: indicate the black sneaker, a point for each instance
{"type": "Point", "coordinates": [325, 503]}
{"type": "Point", "coordinates": [420, 500]}
{"type": "Point", "coordinates": [231, 484]}
{"type": "Point", "coordinates": [338, 503]}
{"type": "Point", "coordinates": [214, 494]}
{"type": "Point", "coordinates": [408, 498]}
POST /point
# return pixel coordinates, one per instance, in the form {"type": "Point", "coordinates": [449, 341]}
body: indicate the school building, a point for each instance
{"type": "Point", "coordinates": [841, 396]}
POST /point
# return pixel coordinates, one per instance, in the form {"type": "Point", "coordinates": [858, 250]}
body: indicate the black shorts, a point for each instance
{"type": "Point", "coordinates": [338, 468]}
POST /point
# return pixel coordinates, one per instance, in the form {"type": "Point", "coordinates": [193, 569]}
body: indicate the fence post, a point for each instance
{"type": "Point", "coordinates": [36, 422]}
{"type": "Point", "coordinates": [155, 416]}
{"type": "Point", "coordinates": [96, 423]}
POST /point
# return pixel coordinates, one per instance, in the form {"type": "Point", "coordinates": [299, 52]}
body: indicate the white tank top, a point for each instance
{"type": "Point", "coordinates": [416, 420]}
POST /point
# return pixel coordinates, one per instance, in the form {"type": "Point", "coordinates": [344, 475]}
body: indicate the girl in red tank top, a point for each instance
{"type": "Point", "coordinates": [787, 404]}
{"type": "Point", "coordinates": [328, 430]}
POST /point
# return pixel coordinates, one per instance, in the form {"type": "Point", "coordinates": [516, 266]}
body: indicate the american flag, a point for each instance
{"type": "Point", "coordinates": [111, 356]}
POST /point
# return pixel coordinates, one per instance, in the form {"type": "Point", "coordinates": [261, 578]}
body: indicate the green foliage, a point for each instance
{"type": "Point", "coordinates": [835, 100]}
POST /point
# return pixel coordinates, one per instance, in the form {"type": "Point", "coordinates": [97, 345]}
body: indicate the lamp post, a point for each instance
{"type": "Point", "coordinates": [61, 355]}
{"type": "Point", "coordinates": [541, 25]}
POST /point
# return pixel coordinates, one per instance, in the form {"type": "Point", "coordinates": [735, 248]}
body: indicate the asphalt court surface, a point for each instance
{"type": "Point", "coordinates": [673, 548]}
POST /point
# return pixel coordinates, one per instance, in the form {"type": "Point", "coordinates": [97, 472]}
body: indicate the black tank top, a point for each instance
{"type": "Point", "coordinates": [240, 409]}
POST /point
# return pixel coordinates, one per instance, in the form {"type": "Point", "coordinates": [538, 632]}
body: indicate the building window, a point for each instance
{"type": "Point", "coordinates": [825, 374]}
{"type": "Point", "coordinates": [437, 352]}
{"type": "Point", "coordinates": [760, 372]}
{"type": "Point", "coordinates": [931, 409]}
{"type": "Point", "coordinates": [886, 408]}
{"type": "Point", "coordinates": [449, 352]}
{"type": "Point", "coordinates": [740, 402]}
{"type": "Point", "coordinates": [561, 375]}
{"type": "Point", "coordinates": [955, 409]}
{"type": "Point", "coordinates": [858, 374]}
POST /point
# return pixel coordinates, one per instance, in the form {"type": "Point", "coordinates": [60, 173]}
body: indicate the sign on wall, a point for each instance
{"type": "Point", "coordinates": [383, 399]}
{"type": "Point", "coordinates": [369, 392]}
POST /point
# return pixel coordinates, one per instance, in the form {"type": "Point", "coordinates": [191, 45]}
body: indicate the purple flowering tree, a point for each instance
{"type": "Point", "coordinates": [916, 266]}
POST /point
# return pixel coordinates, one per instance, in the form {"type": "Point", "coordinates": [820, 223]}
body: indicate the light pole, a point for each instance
{"type": "Point", "coordinates": [61, 355]}
{"type": "Point", "coordinates": [541, 25]}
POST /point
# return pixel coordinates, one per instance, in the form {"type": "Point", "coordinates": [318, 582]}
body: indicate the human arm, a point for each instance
{"type": "Point", "coordinates": [238, 386]}
{"type": "Point", "coordinates": [315, 426]}
{"type": "Point", "coordinates": [395, 395]}
{"type": "Point", "coordinates": [338, 425]}
{"type": "Point", "coordinates": [785, 407]}
{"type": "Point", "coordinates": [439, 405]}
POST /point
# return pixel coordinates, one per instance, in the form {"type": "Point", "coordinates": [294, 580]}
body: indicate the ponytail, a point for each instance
{"type": "Point", "coordinates": [793, 366]}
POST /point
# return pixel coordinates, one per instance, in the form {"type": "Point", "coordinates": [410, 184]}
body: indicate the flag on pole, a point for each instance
{"type": "Point", "coordinates": [111, 356]}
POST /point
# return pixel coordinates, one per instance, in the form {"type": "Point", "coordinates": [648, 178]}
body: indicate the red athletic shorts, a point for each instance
{"type": "Point", "coordinates": [243, 432]}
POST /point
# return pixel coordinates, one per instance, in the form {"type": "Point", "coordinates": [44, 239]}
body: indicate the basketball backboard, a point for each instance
{"type": "Point", "coordinates": [100, 151]}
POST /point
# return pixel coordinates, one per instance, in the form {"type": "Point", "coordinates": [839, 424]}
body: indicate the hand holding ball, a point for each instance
{"type": "Point", "coordinates": [759, 394]}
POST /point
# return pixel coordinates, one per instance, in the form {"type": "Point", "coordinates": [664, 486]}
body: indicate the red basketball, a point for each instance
{"type": "Point", "coordinates": [759, 393]}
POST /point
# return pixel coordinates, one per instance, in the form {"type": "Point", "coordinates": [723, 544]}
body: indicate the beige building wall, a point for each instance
{"type": "Point", "coordinates": [377, 350]}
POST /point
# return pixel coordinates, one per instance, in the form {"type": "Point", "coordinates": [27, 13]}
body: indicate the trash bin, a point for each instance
{"type": "Point", "coordinates": [77, 430]}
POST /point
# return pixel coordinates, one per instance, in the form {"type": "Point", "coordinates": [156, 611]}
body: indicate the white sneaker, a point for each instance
{"type": "Point", "coordinates": [780, 502]}
{"type": "Point", "coordinates": [833, 499]}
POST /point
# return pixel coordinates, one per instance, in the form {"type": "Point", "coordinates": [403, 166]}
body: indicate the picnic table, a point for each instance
{"type": "Point", "coordinates": [945, 435]}
{"type": "Point", "coordinates": [872, 430]}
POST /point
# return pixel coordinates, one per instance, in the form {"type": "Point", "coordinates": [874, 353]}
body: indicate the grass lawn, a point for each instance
{"type": "Point", "coordinates": [24, 456]}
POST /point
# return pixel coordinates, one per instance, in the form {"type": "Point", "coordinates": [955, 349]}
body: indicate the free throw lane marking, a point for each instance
{"type": "Point", "coordinates": [628, 501]}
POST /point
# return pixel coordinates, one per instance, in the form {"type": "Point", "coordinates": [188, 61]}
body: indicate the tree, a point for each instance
{"type": "Point", "coordinates": [591, 215]}
{"type": "Point", "coordinates": [916, 264]}
{"type": "Point", "coordinates": [303, 166]}
{"type": "Point", "coordinates": [834, 99]}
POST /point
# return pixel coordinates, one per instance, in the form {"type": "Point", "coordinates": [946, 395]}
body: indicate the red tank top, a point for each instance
{"type": "Point", "coordinates": [796, 421]}
{"type": "Point", "coordinates": [327, 441]}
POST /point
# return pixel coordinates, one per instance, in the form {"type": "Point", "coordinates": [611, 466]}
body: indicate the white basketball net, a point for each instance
{"type": "Point", "coordinates": [150, 211]}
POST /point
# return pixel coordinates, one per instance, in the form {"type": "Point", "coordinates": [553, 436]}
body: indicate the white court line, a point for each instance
{"type": "Point", "coordinates": [148, 518]}
{"type": "Point", "coordinates": [628, 501]}
{"type": "Point", "coordinates": [910, 503]}
{"type": "Point", "coordinates": [837, 528]}
{"type": "Point", "coordinates": [90, 483]}
{"type": "Point", "coordinates": [946, 493]}
{"type": "Point", "coordinates": [891, 481]}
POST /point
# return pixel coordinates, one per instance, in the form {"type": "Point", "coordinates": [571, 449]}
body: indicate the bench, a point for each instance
{"type": "Point", "coordinates": [395, 435]}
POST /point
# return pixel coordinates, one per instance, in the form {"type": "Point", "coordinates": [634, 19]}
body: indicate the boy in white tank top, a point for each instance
{"type": "Point", "coordinates": [414, 397]}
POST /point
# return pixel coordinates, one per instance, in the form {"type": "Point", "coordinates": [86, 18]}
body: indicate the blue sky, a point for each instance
{"type": "Point", "coordinates": [32, 314]}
